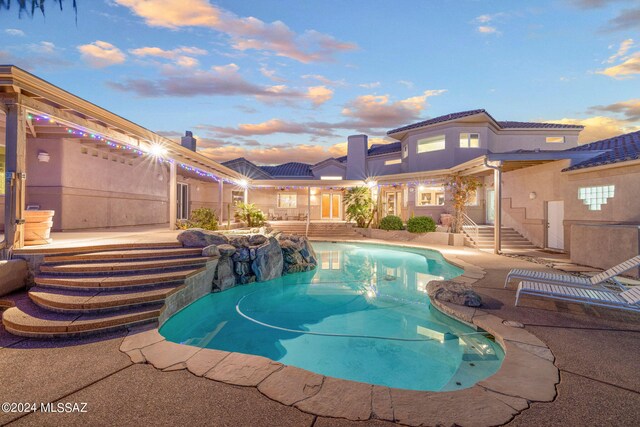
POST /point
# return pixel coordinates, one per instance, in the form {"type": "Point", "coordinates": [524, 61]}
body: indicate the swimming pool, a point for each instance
{"type": "Point", "coordinates": [362, 315]}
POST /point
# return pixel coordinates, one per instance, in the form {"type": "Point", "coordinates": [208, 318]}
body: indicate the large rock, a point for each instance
{"type": "Point", "coordinates": [13, 275]}
{"type": "Point", "coordinates": [199, 238]}
{"type": "Point", "coordinates": [298, 254]}
{"type": "Point", "coordinates": [211, 251]}
{"type": "Point", "coordinates": [226, 250]}
{"type": "Point", "coordinates": [453, 292]}
{"type": "Point", "coordinates": [268, 264]}
{"type": "Point", "coordinates": [224, 277]}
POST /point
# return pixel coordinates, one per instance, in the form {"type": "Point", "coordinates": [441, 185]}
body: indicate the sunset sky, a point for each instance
{"type": "Point", "coordinates": [278, 81]}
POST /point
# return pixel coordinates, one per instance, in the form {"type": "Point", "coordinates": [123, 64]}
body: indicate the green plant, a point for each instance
{"type": "Point", "coordinates": [360, 206]}
{"type": "Point", "coordinates": [250, 214]}
{"type": "Point", "coordinates": [462, 189]}
{"type": "Point", "coordinates": [421, 224]}
{"type": "Point", "coordinates": [391, 222]}
{"type": "Point", "coordinates": [204, 218]}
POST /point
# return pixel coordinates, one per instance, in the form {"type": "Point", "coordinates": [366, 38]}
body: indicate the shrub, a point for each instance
{"type": "Point", "coordinates": [250, 214]}
{"type": "Point", "coordinates": [391, 222]}
{"type": "Point", "coordinates": [421, 224]}
{"type": "Point", "coordinates": [203, 218]}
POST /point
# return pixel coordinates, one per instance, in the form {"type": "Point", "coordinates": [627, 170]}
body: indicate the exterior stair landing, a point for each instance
{"type": "Point", "coordinates": [100, 290]}
{"type": "Point", "coordinates": [511, 239]}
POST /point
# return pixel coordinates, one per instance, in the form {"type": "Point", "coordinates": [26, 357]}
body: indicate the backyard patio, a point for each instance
{"type": "Point", "coordinates": [95, 371]}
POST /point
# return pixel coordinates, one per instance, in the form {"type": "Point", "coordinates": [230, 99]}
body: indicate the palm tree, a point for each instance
{"type": "Point", "coordinates": [360, 206]}
{"type": "Point", "coordinates": [30, 6]}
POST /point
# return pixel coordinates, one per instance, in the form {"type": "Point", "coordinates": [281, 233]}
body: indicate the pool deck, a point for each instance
{"type": "Point", "coordinates": [596, 353]}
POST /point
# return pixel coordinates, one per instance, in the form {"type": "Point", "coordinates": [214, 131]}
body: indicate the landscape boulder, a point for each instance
{"type": "Point", "coordinates": [453, 292]}
{"type": "Point", "coordinates": [226, 250]}
{"type": "Point", "coordinates": [298, 254]}
{"type": "Point", "coordinates": [268, 263]}
{"type": "Point", "coordinates": [211, 251]}
{"type": "Point", "coordinates": [199, 238]}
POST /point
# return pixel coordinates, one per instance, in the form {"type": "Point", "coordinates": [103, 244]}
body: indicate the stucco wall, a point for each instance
{"type": "Point", "coordinates": [528, 216]}
{"type": "Point", "coordinates": [604, 246]}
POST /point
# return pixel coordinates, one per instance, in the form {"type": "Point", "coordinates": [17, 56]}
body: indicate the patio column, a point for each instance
{"type": "Point", "coordinates": [497, 233]}
{"type": "Point", "coordinates": [221, 199]}
{"type": "Point", "coordinates": [246, 194]}
{"type": "Point", "coordinates": [308, 208]}
{"type": "Point", "coordinates": [15, 177]}
{"type": "Point", "coordinates": [173, 196]}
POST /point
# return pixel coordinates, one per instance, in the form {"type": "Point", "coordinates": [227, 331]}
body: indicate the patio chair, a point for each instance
{"type": "Point", "coordinates": [628, 299]}
{"type": "Point", "coordinates": [569, 280]}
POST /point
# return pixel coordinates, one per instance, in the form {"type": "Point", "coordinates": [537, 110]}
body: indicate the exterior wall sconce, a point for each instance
{"type": "Point", "coordinates": [43, 157]}
{"type": "Point", "coordinates": [533, 195]}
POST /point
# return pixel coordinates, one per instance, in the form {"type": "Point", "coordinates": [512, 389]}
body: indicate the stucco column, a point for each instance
{"type": "Point", "coordinates": [15, 177]}
{"type": "Point", "coordinates": [308, 207]}
{"type": "Point", "coordinates": [246, 194]}
{"type": "Point", "coordinates": [173, 196]}
{"type": "Point", "coordinates": [497, 233]}
{"type": "Point", "coordinates": [221, 199]}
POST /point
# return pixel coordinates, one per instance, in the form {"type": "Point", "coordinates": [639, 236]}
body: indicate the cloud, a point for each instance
{"type": "Point", "coordinates": [406, 83]}
{"type": "Point", "coordinates": [35, 56]}
{"type": "Point", "coordinates": [599, 127]}
{"type": "Point", "coordinates": [271, 155]}
{"type": "Point", "coordinates": [100, 54]}
{"type": "Point", "coordinates": [271, 74]}
{"type": "Point", "coordinates": [483, 22]}
{"type": "Point", "coordinates": [14, 32]}
{"type": "Point", "coordinates": [629, 109]}
{"type": "Point", "coordinates": [319, 94]}
{"type": "Point", "coordinates": [626, 69]}
{"type": "Point", "coordinates": [378, 111]}
{"type": "Point", "coordinates": [182, 56]}
{"type": "Point", "coordinates": [622, 51]}
{"type": "Point", "coordinates": [487, 29]}
{"type": "Point", "coordinates": [592, 4]}
{"type": "Point", "coordinates": [244, 32]}
{"type": "Point", "coordinates": [370, 85]}
{"type": "Point", "coordinates": [270, 127]}
{"type": "Point", "coordinates": [628, 19]}
{"type": "Point", "coordinates": [324, 80]}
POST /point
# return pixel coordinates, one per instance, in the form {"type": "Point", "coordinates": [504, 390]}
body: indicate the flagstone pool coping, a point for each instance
{"type": "Point", "coordinates": [527, 374]}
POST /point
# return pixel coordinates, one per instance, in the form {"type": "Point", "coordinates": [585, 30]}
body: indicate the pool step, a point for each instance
{"type": "Point", "coordinates": [123, 267]}
{"type": "Point", "coordinates": [128, 254]}
{"type": "Point", "coordinates": [65, 301]}
{"type": "Point", "coordinates": [133, 281]}
{"type": "Point", "coordinates": [34, 321]}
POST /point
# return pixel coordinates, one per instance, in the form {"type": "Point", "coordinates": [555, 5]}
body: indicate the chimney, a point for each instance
{"type": "Point", "coordinates": [357, 147]}
{"type": "Point", "coordinates": [188, 141]}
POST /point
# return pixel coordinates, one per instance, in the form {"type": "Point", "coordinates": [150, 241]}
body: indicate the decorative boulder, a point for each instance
{"type": "Point", "coordinates": [226, 250]}
{"type": "Point", "coordinates": [13, 275]}
{"type": "Point", "coordinates": [239, 241]}
{"type": "Point", "coordinates": [211, 251]}
{"type": "Point", "coordinates": [257, 239]}
{"type": "Point", "coordinates": [224, 277]}
{"type": "Point", "coordinates": [453, 292]}
{"type": "Point", "coordinates": [199, 238]}
{"type": "Point", "coordinates": [268, 264]}
{"type": "Point", "coordinates": [298, 254]}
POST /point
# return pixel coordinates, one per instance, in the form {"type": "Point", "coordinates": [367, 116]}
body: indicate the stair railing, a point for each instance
{"type": "Point", "coordinates": [470, 227]}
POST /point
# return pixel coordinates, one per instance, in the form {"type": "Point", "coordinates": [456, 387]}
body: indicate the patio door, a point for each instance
{"type": "Point", "coordinates": [393, 202]}
{"type": "Point", "coordinates": [491, 206]}
{"type": "Point", "coordinates": [555, 227]}
{"type": "Point", "coordinates": [331, 205]}
{"type": "Point", "coordinates": [183, 201]}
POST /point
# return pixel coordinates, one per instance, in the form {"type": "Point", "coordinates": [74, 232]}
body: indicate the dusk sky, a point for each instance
{"type": "Point", "coordinates": [278, 81]}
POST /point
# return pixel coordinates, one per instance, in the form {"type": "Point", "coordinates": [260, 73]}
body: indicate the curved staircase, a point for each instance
{"type": "Point", "coordinates": [101, 289]}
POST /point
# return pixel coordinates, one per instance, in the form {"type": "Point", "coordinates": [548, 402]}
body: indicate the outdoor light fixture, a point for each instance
{"type": "Point", "coordinates": [532, 195]}
{"type": "Point", "coordinates": [43, 157]}
{"type": "Point", "coordinates": [371, 184]}
{"type": "Point", "coordinates": [243, 183]}
{"type": "Point", "coordinates": [157, 150]}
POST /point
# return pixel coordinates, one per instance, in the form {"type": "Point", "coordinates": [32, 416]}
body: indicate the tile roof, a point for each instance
{"type": "Point", "coordinates": [533, 125]}
{"type": "Point", "coordinates": [503, 124]}
{"type": "Point", "coordinates": [378, 149]}
{"type": "Point", "coordinates": [246, 168]}
{"type": "Point", "coordinates": [620, 148]}
{"type": "Point", "coordinates": [291, 169]}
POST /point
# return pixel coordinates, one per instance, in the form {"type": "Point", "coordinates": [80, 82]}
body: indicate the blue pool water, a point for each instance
{"type": "Point", "coordinates": [362, 315]}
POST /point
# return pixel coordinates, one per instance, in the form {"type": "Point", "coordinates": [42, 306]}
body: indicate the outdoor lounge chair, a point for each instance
{"type": "Point", "coordinates": [628, 299]}
{"type": "Point", "coordinates": [569, 280]}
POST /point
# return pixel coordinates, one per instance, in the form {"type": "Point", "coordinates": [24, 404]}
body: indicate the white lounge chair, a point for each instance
{"type": "Point", "coordinates": [628, 299]}
{"type": "Point", "coordinates": [568, 279]}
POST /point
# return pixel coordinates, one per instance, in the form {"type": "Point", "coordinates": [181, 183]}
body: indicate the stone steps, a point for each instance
{"type": "Point", "coordinates": [83, 292]}
{"type": "Point", "coordinates": [510, 239]}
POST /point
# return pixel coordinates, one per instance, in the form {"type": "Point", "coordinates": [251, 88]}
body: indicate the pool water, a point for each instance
{"type": "Point", "coordinates": [362, 315]}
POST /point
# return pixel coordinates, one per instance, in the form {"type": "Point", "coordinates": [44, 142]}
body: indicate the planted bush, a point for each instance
{"type": "Point", "coordinates": [421, 224]}
{"type": "Point", "coordinates": [203, 218]}
{"type": "Point", "coordinates": [250, 214]}
{"type": "Point", "coordinates": [391, 222]}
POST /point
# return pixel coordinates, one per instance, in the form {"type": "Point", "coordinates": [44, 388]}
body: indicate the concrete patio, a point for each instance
{"type": "Point", "coordinates": [596, 351]}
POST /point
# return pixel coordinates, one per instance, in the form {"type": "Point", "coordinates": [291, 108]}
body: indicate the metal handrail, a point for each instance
{"type": "Point", "coordinates": [470, 227]}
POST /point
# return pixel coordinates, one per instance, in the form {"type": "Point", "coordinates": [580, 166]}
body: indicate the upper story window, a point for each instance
{"type": "Point", "coordinates": [430, 196]}
{"type": "Point", "coordinates": [287, 200]}
{"type": "Point", "coordinates": [405, 151]}
{"type": "Point", "coordinates": [393, 162]}
{"type": "Point", "coordinates": [555, 140]}
{"type": "Point", "coordinates": [469, 140]}
{"type": "Point", "coordinates": [433, 143]}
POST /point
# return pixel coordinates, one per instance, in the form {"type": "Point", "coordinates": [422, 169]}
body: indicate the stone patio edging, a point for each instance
{"type": "Point", "coordinates": [527, 375]}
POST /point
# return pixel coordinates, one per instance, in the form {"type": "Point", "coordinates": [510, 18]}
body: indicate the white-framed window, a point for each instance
{"type": "Point", "coordinates": [433, 143]}
{"type": "Point", "coordinates": [469, 140]}
{"type": "Point", "coordinates": [429, 196]}
{"type": "Point", "coordinates": [237, 196]}
{"type": "Point", "coordinates": [405, 151]}
{"type": "Point", "coordinates": [393, 162]}
{"type": "Point", "coordinates": [595, 197]}
{"type": "Point", "coordinates": [287, 200]}
{"type": "Point", "coordinates": [555, 140]}
{"type": "Point", "coordinates": [473, 198]}
{"type": "Point", "coordinates": [331, 178]}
